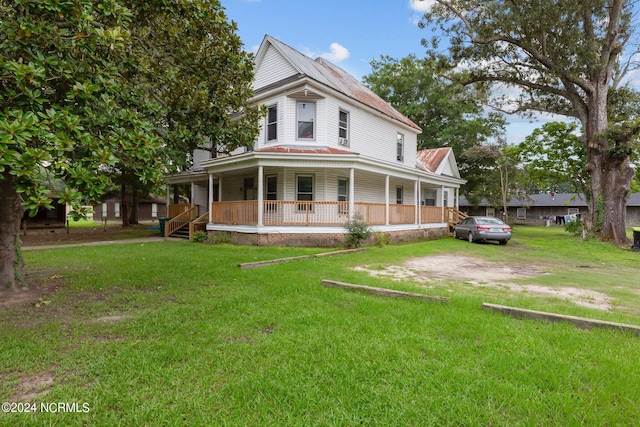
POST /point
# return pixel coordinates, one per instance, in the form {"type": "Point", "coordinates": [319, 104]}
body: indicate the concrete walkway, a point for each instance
{"type": "Point", "coordinates": [101, 243]}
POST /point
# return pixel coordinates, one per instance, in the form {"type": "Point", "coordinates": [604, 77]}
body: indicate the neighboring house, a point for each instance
{"type": "Point", "coordinates": [47, 218]}
{"type": "Point", "coordinates": [329, 148]}
{"type": "Point", "coordinates": [537, 209]}
{"type": "Point", "coordinates": [151, 209]}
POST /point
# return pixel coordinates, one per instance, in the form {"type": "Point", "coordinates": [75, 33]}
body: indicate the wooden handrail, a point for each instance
{"type": "Point", "coordinates": [202, 219]}
{"type": "Point", "coordinates": [454, 215]}
{"type": "Point", "coordinates": [177, 222]}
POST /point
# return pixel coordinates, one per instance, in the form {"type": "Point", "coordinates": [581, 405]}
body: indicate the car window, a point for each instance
{"type": "Point", "coordinates": [489, 221]}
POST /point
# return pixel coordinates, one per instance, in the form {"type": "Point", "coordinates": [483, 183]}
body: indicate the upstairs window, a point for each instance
{"type": "Point", "coordinates": [306, 120]}
{"type": "Point", "coordinates": [272, 123]}
{"type": "Point", "coordinates": [400, 147]}
{"type": "Point", "coordinates": [343, 128]}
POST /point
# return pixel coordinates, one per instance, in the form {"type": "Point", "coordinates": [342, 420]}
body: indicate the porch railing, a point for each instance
{"type": "Point", "coordinates": [181, 220]}
{"type": "Point", "coordinates": [372, 213]}
{"type": "Point", "coordinates": [235, 213]}
{"type": "Point", "coordinates": [430, 214]}
{"type": "Point", "coordinates": [453, 215]}
{"type": "Point", "coordinates": [198, 224]}
{"type": "Point", "coordinates": [281, 212]}
{"type": "Point", "coordinates": [176, 209]}
{"type": "Point", "coordinates": [402, 214]}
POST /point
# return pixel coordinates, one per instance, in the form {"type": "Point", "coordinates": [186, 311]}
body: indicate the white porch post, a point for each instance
{"type": "Point", "coordinates": [352, 199]}
{"type": "Point", "coordinates": [168, 197]}
{"type": "Point", "coordinates": [210, 201]}
{"type": "Point", "coordinates": [442, 202]}
{"type": "Point", "coordinates": [416, 186]}
{"type": "Point", "coordinates": [386, 199]}
{"type": "Point", "coordinates": [260, 194]}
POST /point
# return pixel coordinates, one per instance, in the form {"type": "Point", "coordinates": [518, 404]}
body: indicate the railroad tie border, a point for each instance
{"type": "Point", "coordinates": [580, 322]}
{"type": "Point", "coordinates": [296, 258]}
{"type": "Point", "coordinates": [383, 291]}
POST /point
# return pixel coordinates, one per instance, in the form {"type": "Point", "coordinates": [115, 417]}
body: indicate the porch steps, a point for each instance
{"type": "Point", "coordinates": [181, 233]}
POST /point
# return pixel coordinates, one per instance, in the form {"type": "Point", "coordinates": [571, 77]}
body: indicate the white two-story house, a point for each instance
{"type": "Point", "coordinates": [329, 149]}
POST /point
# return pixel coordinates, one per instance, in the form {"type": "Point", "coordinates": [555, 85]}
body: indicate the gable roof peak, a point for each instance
{"type": "Point", "coordinates": [334, 77]}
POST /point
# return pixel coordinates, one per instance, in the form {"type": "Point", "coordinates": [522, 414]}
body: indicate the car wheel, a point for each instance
{"type": "Point", "coordinates": [470, 237]}
{"type": "Point", "coordinates": [503, 242]}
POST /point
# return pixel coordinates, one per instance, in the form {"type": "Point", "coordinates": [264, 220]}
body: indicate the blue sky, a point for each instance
{"type": "Point", "coordinates": [348, 33]}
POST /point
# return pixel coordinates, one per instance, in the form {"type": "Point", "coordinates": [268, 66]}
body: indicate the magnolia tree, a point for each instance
{"type": "Point", "coordinates": [564, 56]}
{"type": "Point", "coordinates": [98, 92]}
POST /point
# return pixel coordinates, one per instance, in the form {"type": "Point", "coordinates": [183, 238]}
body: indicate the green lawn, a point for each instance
{"type": "Point", "coordinates": [174, 333]}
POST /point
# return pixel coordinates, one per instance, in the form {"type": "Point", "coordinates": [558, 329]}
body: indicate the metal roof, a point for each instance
{"type": "Point", "coordinates": [297, 149]}
{"type": "Point", "coordinates": [430, 160]}
{"type": "Point", "coordinates": [338, 79]}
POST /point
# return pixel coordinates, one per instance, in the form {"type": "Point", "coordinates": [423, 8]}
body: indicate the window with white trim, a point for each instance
{"type": "Point", "coordinates": [399, 195]}
{"type": "Point", "coordinates": [104, 210]}
{"type": "Point", "coordinates": [272, 123]}
{"type": "Point", "coordinates": [271, 191]}
{"type": "Point", "coordinates": [304, 191]}
{"type": "Point", "coordinates": [306, 120]}
{"type": "Point", "coordinates": [117, 210]}
{"type": "Point", "coordinates": [521, 213]}
{"type": "Point", "coordinates": [154, 210]}
{"type": "Point", "coordinates": [430, 197]}
{"type": "Point", "coordinates": [400, 147]}
{"type": "Point", "coordinates": [343, 127]}
{"type": "Point", "coordinates": [343, 195]}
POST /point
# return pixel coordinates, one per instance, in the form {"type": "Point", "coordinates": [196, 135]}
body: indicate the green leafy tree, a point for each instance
{"type": "Point", "coordinates": [564, 56]}
{"type": "Point", "coordinates": [450, 114]}
{"type": "Point", "coordinates": [554, 158]}
{"type": "Point", "coordinates": [95, 93]}
{"type": "Point", "coordinates": [189, 63]}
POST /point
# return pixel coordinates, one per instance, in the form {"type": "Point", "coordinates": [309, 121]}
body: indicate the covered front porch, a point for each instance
{"type": "Point", "coordinates": [262, 194]}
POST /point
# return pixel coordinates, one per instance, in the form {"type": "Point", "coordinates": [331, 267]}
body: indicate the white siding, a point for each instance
{"type": "Point", "coordinates": [199, 156]}
{"type": "Point", "coordinates": [201, 198]}
{"type": "Point", "coordinates": [272, 69]}
{"type": "Point", "coordinates": [370, 134]}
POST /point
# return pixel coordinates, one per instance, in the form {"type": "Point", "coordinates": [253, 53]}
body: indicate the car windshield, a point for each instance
{"type": "Point", "coordinates": [489, 221]}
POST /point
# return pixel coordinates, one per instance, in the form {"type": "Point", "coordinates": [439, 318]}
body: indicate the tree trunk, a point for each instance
{"type": "Point", "coordinates": [133, 216]}
{"type": "Point", "coordinates": [124, 212]}
{"type": "Point", "coordinates": [11, 211]}
{"type": "Point", "coordinates": [610, 176]}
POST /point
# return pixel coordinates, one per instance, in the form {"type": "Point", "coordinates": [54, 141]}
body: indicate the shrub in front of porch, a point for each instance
{"type": "Point", "coordinates": [357, 231]}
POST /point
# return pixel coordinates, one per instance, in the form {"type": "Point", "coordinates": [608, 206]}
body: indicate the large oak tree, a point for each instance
{"type": "Point", "coordinates": [564, 56]}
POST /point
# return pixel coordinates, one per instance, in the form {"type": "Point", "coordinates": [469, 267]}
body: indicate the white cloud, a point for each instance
{"type": "Point", "coordinates": [338, 53]}
{"type": "Point", "coordinates": [421, 5]}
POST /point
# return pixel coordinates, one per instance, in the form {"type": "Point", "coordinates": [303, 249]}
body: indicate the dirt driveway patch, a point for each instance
{"type": "Point", "coordinates": [478, 272]}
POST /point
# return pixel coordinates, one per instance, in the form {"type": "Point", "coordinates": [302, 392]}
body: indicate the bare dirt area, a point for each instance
{"type": "Point", "coordinates": [432, 270]}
